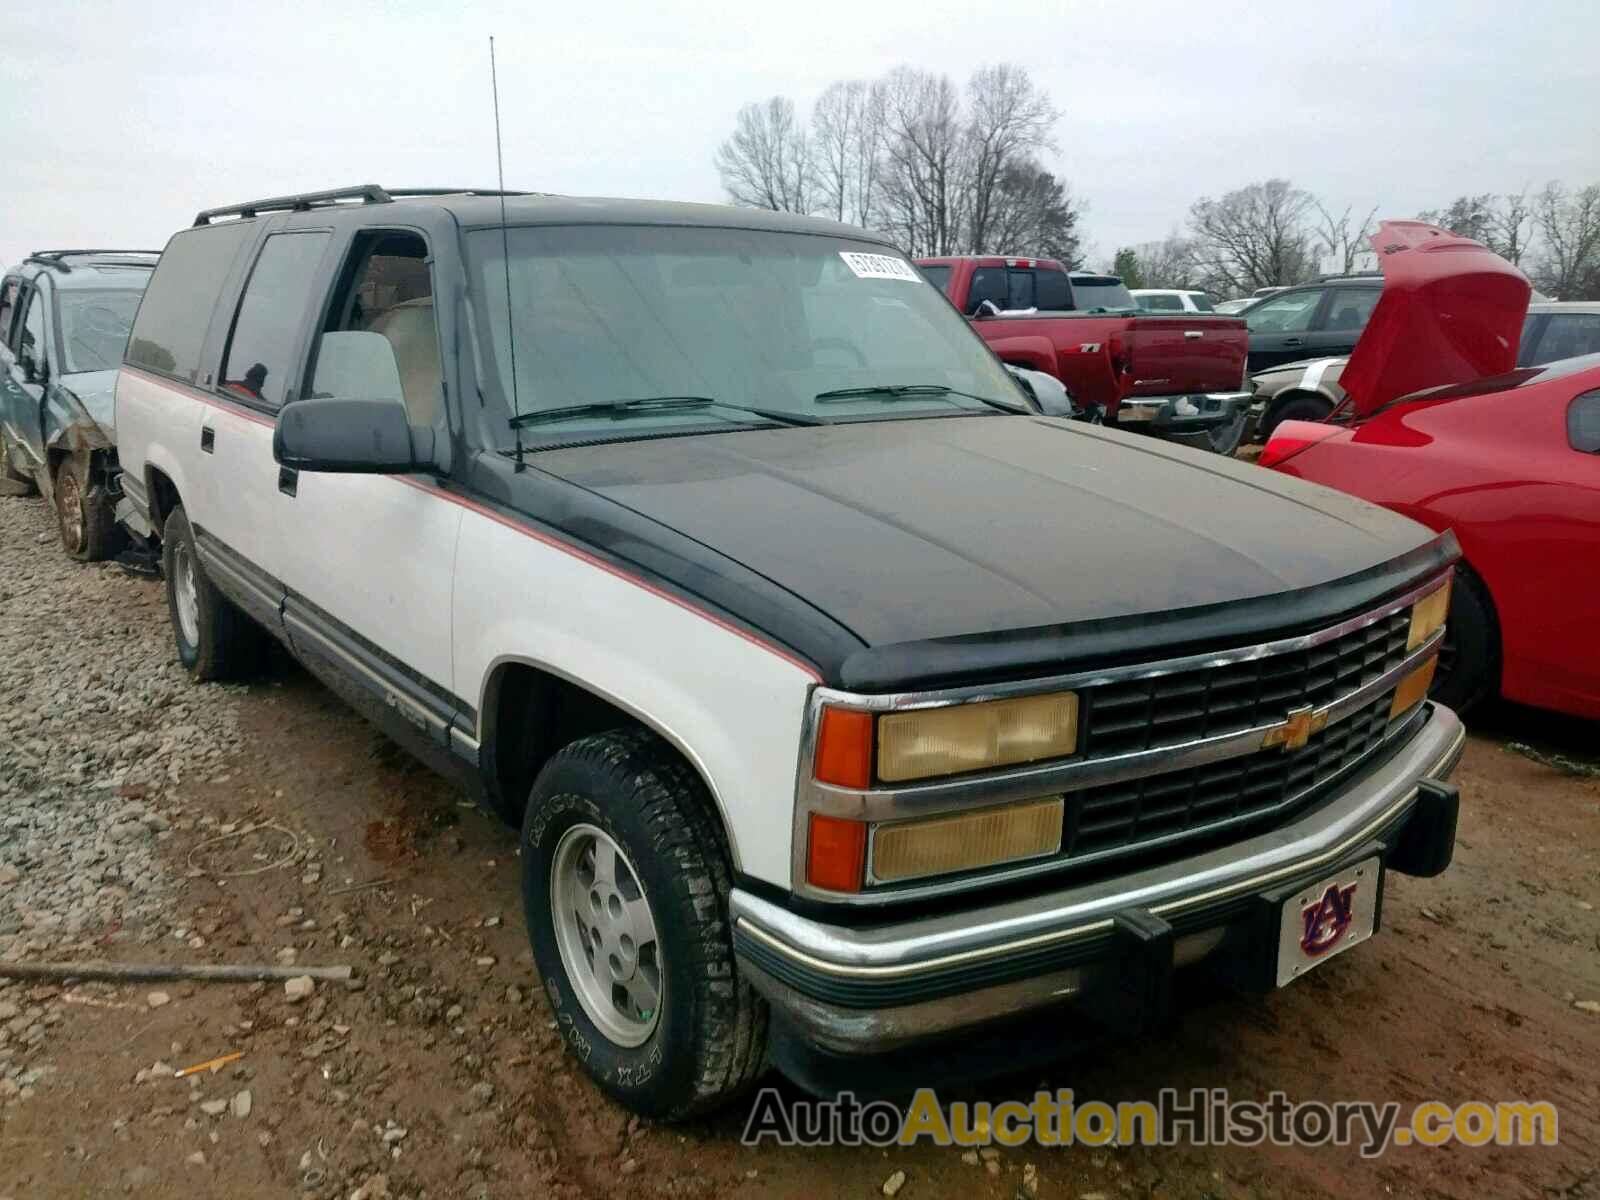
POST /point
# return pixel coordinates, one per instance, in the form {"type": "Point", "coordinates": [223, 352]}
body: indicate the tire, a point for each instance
{"type": "Point", "coordinates": [1469, 660]}
{"type": "Point", "coordinates": [1302, 406]}
{"type": "Point", "coordinates": [17, 483]}
{"type": "Point", "coordinates": [704, 1040]}
{"type": "Point", "coordinates": [215, 640]}
{"type": "Point", "coordinates": [85, 516]}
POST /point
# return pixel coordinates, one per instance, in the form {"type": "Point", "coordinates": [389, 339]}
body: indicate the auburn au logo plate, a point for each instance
{"type": "Point", "coordinates": [1327, 918]}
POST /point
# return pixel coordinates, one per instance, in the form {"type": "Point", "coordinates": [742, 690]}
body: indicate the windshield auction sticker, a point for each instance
{"type": "Point", "coordinates": [879, 266]}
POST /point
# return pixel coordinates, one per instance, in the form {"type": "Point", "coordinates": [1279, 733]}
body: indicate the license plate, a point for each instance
{"type": "Point", "coordinates": [1327, 919]}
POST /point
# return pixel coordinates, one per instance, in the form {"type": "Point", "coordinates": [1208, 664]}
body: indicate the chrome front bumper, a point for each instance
{"type": "Point", "coordinates": [863, 989]}
{"type": "Point", "coordinates": [1182, 414]}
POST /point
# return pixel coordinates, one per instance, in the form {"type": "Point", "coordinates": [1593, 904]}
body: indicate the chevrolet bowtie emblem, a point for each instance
{"type": "Point", "coordinates": [1296, 729]}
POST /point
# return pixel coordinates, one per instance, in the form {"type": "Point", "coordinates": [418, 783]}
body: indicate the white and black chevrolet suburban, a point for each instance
{"type": "Point", "coordinates": [851, 711]}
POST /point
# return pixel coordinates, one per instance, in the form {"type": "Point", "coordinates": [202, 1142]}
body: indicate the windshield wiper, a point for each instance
{"type": "Point", "coordinates": [619, 410]}
{"type": "Point", "coordinates": [910, 391]}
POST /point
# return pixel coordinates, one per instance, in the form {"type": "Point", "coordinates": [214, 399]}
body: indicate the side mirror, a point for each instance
{"type": "Point", "coordinates": [1049, 394]}
{"type": "Point", "coordinates": [373, 437]}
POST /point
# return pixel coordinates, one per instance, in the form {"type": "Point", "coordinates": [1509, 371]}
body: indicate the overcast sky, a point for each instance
{"type": "Point", "coordinates": [119, 121]}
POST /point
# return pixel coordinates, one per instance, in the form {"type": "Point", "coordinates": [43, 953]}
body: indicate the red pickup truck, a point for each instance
{"type": "Point", "coordinates": [1178, 375]}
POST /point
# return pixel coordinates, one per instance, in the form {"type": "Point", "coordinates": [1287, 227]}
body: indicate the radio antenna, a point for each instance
{"type": "Point", "coordinates": [505, 253]}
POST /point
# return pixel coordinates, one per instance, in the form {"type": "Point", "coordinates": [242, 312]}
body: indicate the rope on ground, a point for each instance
{"type": "Point", "coordinates": [289, 856]}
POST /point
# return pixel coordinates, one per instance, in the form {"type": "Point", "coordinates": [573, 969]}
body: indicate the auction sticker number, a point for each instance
{"type": "Point", "coordinates": [879, 266]}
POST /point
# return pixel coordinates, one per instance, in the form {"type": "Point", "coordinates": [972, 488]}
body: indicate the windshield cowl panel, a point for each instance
{"type": "Point", "coordinates": [757, 324]}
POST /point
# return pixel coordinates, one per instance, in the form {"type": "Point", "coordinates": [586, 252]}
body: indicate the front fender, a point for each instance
{"type": "Point", "coordinates": [733, 705]}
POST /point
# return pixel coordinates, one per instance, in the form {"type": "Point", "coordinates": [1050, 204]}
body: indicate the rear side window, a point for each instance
{"type": "Point", "coordinates": [8, 306]}
{"type": "Point", "coordinates": [1349, 308]}
{"type": "Point", "coordinates": [260, 360]}
{"type": "Point", "coordinates": [1568, 335]}
{"type": "Point", "coordinates": [1161, 303]}
{"type": "Point", "coordinates": [1103, 292]}
{"type": "Point", "coordinates": [1201, 302]}
{"type": "Point", "coordinates": [1583, 423]}
{"type": "Point", "coordinates": [170, 330]}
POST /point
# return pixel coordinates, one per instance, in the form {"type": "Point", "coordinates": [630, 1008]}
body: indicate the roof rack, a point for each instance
{"type": "Point", "coordinates": [57, 258]}
{"type": "Point", "coordinates": [367, 193]}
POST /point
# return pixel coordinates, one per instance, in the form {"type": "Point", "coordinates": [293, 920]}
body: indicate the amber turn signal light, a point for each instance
{"type": "Point", "coordinates": [836, 853]}
{"type": "Point", "coordinates": [1427, 615]}
{"type": "Point", "coordinates": [844, 747]}
{"type": "Point", "coordinates": [1413, 688]}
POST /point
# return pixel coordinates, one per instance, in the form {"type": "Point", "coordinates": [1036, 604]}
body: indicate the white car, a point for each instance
{"type": "Point", "coordinates": [1172, 300]}
{"type": "Point", "coordinates": [845, 702]}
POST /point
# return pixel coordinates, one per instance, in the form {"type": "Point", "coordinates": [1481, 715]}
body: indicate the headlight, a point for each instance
{"type": "Point", "coordinates": [922, 743]}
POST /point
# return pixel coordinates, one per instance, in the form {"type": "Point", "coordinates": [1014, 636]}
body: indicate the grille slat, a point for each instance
{"type": "Point", "coordinates": [1123, 718]}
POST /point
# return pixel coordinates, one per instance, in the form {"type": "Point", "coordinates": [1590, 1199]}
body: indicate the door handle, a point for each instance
{"type": "Point", "coordinates": [1193, 333]}
{"type": "Point", "coordinates": [288, 480]}
{"type": "Point", "coordinates": [1294, 341]}
{"type": "Point", "coordinates": [208, 439]}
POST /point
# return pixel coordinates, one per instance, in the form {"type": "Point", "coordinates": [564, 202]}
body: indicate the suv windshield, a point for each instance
{"type": "Point", "coordinates": [94, 326]}
{"type": "Point", "coordinates": [753, 319]}
{"type": "Point", "coordinates": [1091, 293]}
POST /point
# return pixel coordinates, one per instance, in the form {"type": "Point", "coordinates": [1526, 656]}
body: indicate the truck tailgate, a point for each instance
{"type": "Point", "coordinates": [1176, 355]}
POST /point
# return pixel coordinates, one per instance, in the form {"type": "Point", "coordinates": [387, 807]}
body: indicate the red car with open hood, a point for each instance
{"type": "Point", "coordinates": [1508, 459]}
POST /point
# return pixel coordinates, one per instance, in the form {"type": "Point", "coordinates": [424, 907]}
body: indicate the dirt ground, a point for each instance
{"type": "Point", "coordinates": [442, 1072]}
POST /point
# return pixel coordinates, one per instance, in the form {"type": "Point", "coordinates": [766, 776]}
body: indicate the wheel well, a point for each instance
{"type": "Point", "coordinates": [1277, 403]}
{"type": "Point", "coordinates": [529, 714]}
{"type": "Point", "coordinates": [163, 497]}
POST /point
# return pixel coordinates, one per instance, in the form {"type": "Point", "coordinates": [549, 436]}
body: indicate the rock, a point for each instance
{"type": "Point", "coordinates": [241, 1105]}
{"type": "Point", "coordinates": [375, 1188]}
{"type": "Point", "coordinates": [9, 875]}
{"type": "Point", "coordinates": [158, 999]}
{"type": "Point", "coordinates": [197, 1159]}
{"type": "Point", "coordinates": [481, 1096]}
{"type": "Point", "coordinates": [992, 1166]}
{"type": "Point", "coordinates": [8, 1011]}
{"type": "Point", "coordinates": [1588, 1006]}
{"type": "Point", "coordinates": [893, 1184]}
{"type": "Point", "coordinates": [299, 988]}
{"type": "Point", "coordinates": [394, 1134]}
{"type": "Point", "coordinates": [486, 961]}
{"type": "Point", "coordinates": [1030, 1179]}
{"type": "Point", "coordinates": [630, 1166]}
{"type": "Point", "coordinates": [988, 1154]}
{"type": "Point", "coordinates": [214, 1108]}
{"type": "Point", "coordinates": [970, 1158]}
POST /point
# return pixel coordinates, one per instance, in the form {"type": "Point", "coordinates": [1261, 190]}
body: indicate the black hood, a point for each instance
{"type": "Point", "coordinates": [972, 530]}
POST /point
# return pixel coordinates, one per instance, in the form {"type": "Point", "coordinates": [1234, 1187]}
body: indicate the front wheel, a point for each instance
{"type": "Point", "coordinates": [625, 882]}
{"type": "Point", "coordinates": [1300, 407]}
{"type": "Point", "coordinates": [1469, 658]}
{"type": "Point", "coordinates": [85, 515]}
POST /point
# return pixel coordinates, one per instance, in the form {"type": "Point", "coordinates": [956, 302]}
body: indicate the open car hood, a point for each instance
{"type": "Point", "coordinates": [1451, 312]}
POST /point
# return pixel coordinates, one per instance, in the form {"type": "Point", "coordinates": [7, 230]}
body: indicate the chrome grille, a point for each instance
{"type": "Point", "coordinates": [1122, 718]}
{"type": "Point", "coordinates": [1137, 812]}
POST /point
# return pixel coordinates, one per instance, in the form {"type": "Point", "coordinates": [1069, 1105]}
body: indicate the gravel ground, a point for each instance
{"type": "Point", "coordinates": [97, 731]}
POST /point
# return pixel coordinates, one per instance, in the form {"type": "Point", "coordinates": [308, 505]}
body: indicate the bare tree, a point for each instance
{"type": "Point", "coordinates": [1341, 241]}
{"type": "Point", "coordinates": [1169, 263]}
{"type": "Point", "coordinates": [1253, 237]}
{"type": "Point", "coordinates": [923, 196]}
{"type": "Point", "coordinates": [840, 137]}
{"type": "Point", "coordinates": [1570, 224]}
{"type": "Point", "coordinates": [1008, 121]}
{"type": "Point", "coordinates": [1511, 227]}
{"type": "Point", "coordinates": [767, 161]}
